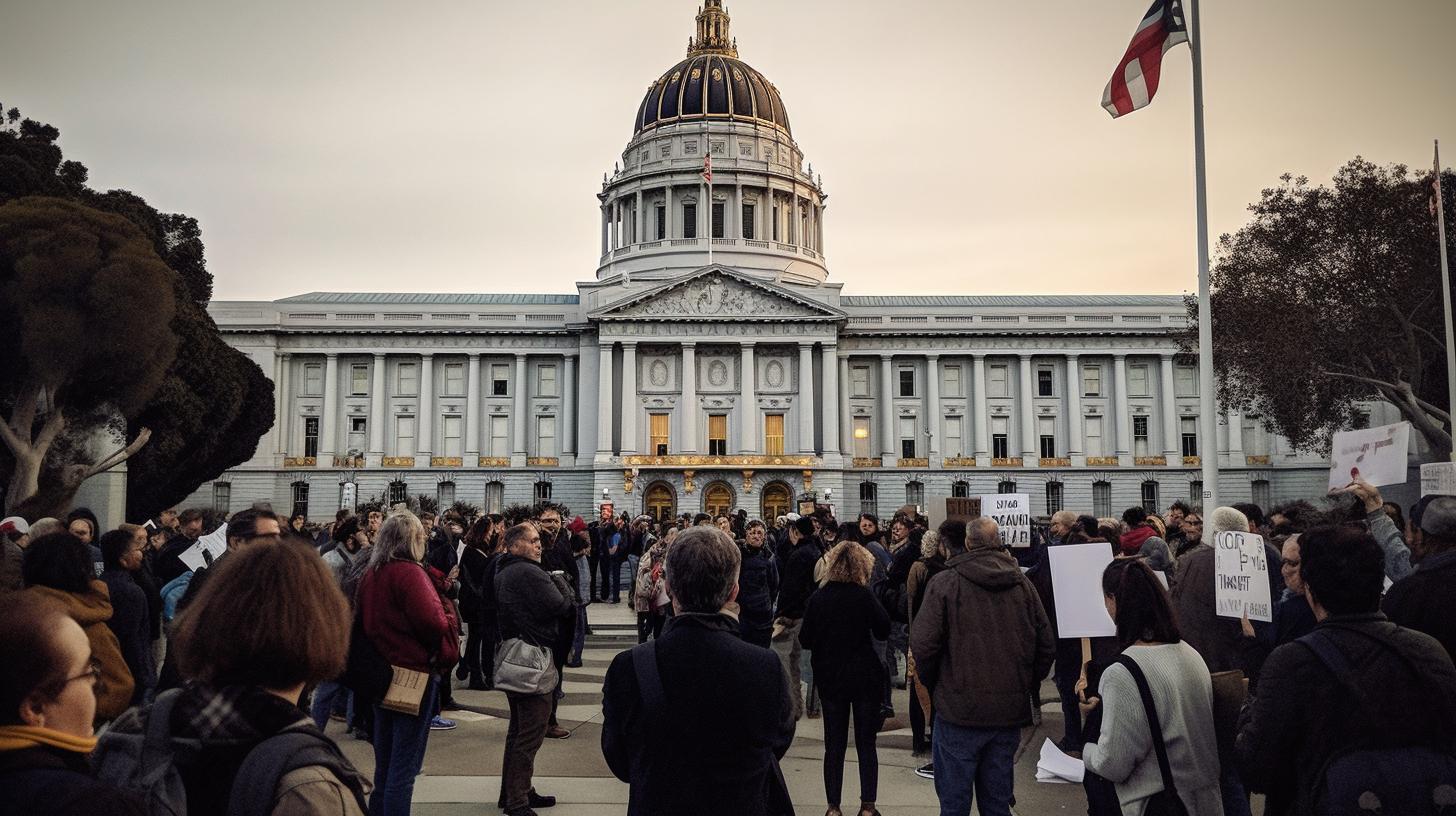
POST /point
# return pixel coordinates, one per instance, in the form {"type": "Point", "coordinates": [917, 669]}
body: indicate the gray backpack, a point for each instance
{"type": "Point", "coordinates": [144, 764]}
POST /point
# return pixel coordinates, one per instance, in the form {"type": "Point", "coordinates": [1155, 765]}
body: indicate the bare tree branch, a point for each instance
{"type": "Point", "coordinates": [120, 455]}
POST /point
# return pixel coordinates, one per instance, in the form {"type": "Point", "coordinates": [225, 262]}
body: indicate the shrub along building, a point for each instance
{"type": "Point", "coordinates": [712, 364]}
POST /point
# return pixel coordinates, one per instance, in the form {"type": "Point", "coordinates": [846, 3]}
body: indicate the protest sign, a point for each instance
{"type": "Point", "coordinates": [941, 508]}
{"type": "Point", "coordinates": [1241, 576]}
{"type": "Point", "coordinates": [207, 549]}
{"type": "Point", "coordinates": [1077, 585]}
{"type": "Point", "coordinates": [1377, 455]}
{"type": "Point", "coordinates": [1438, 479]}
{"type": "Point", "coordinates": [1012, 513]}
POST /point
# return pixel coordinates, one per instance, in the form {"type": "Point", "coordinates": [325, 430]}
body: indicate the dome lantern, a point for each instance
{"type": "Point", "coordinates": [713, 32]}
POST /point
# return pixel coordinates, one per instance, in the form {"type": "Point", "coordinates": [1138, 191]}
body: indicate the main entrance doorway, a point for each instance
{"type": "Point", "coordinates": [718, 500]}
{"type": "Point", "coordinates": [660, 502]}
{"type": "Point", "coordinates": [776, 501]}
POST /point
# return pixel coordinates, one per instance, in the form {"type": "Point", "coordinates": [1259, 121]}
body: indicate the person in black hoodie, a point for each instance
{"type": "Point", "coordinates": [758, 585]}
{"type": "Point", "coordinates": [475, 561]}
{"type": "Point", "coordinates": [802, 553]}
{"type": "Point", "coordinates": [121, 553]}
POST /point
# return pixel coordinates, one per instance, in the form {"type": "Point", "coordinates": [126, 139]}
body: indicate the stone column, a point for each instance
{"type": "Point", "coordinates": [829, 362]}
{"type": "Point", "coordinates": [887, 402]}
{"type": "Point", "coordinates": [1075, 444]}
{"type": "Point", "coordinates": [794, 229]}
{"type": "Point", "coordinates": [329, 423]}
{"type": "Point", "coordinates": [472, 411]}
{"type": "Point", "coordinates": [425, 425]}
{"type": "Point", "coordinates": [689, 390]}
{"type": "Point", "coordinates": [1235, 422]}
{"type": "Point", "coordinates": [378, 401]}
{"type": "Point", "coordinates": [631, 406]}
{"type": "Point", "coordinates": [764, 211]}
{"type": "Point", "coordinates": [1123, 446]}
{"type": "Point", "coordinates": [747, 400]}
{"type": "Point", "coordinates": [932, 407]}
{"type": "Point", "coordinates": [1026, 400]}
{"type": "Point", "coordinates": [605, 246]}
{"type": "Point", "coordinates": [638, 233]}
{"type": "Point", "coordinates": [738, 211]}
{"type": "Point", "coordinates": [670, 217]}
{"type": "Point", "coordinates": [1172, 450]}
{"type": "Point", "coordinates": [605, 406]}
{"type": "Point", "coordinates": [520, 407]}
{"type": "Point", "coordinates": [978, 406]}
{"type": "Point", "coordinates": [284, 417]}
{"type": "Point", "coordinates": [806, 398]}
{"type": "Point", "coordinates": [568, 408]}
{"type": "Point", "coordinates": [846, 417]}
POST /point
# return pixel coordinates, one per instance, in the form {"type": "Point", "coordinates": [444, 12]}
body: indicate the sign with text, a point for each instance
{"type": "Point", "coordinates": [1012, 513]}
{"type": "Point", "coordinates": [1241, 576]}
{"type": "Point", "coordinates": [1438, 479]}
{"type": "Point", "coordinates": [1377, 455]}
{"type": "Point", "coordinates": [207, 549]}
{"type": "Point", "coordinates": [939, 508]}
{"type": "Point", "coordinates": [1077, 586]}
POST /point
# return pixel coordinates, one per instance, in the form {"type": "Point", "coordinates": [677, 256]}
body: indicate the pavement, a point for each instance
{"type": "Point", "coordinates": [462, 767]}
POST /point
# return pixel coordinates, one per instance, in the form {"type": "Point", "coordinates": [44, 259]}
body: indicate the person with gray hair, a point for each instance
{"type": "Point", "coordinates": [1217, 640]}
{"type": "Point", "coordinates": [1425, 600]}
{"type": "Point", "coordinates": [696, 720]}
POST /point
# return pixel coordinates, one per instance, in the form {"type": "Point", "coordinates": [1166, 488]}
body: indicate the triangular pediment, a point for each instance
{"type": "Point", "coordinates": [717, 293]}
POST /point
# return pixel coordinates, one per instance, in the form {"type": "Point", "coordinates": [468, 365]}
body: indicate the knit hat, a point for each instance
{"type": "Point", "coordinates": [14, 524]}
{"type": "Point", "coordinates": [576, 525]}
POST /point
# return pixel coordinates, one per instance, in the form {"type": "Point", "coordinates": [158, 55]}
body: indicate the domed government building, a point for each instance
{"type": "Point", "coordinates": [712, 363]}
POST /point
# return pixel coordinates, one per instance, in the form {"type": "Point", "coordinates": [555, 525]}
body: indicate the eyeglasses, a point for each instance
{"type": "Point", "coordinates": [1192, 522]}
{"type": "Point", "coordinates": [93, 671]}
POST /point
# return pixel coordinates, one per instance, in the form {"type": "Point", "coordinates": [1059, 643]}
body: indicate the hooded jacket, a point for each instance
{"type": "Point", "coordinates": [92, 610]}
{"type": "Point", "coordinates": [982, 641]}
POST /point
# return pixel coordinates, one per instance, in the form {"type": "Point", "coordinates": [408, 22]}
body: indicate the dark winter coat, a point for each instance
{"type": "Point", "coordinates": [46, 781]}
{"type": "Point", "coordinates": [798, 578]}
{"type": "Point", "coordinates": [1425, 600]}
{"type": "Point", "coordinates": [129, 623]}
{"type": "Point", "coordinates": [529, 603]}
{"type": "Point", "coordinates": [840, 624]}
{"type": "Point", "coordinates": [758, 585]}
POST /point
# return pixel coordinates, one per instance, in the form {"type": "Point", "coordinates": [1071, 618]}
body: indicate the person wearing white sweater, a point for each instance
{"type": "Point", "coordinates": [1182, 697]}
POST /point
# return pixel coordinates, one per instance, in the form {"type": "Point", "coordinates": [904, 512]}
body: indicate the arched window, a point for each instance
{"type": "Point", "coordinates": [776, 501]}
{"type": "Point", "coordinates": [915, 495]}
{"type": "Point", "coordinates": [542, 492]}
{"type": "Point", "coordinates": [398, 493]}
{"type": "Point", "coordinates": [717, 499]}
{"type": "Point", "coordinates": [660, 502]}
{"type": "Point", "coordinates": [869, 497]}
{"type": "Point", "coordinates": [1102, 499]}
{"type": "Point", "coordinates": [300, 499]}
{"type": "Point", "coordinates": [495, 497]}
{"type": "Point", "coordinates": [960, 490]}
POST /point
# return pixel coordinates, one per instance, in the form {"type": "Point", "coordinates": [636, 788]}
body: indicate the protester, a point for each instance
{"type": "Point", "coordinates": [1358, 683]}
{"type": "Point", "coordinates": [1143, 539]}
{"type": "Point", "coordinates": [349, 556]}
{"type": "Point", "coordinates": [1292, 617]}
{"type": "Point", "coordinates": [981, 642]}
{"type": "Point", "coordinates": [1182, 699]}
{"type": "Point", "coordinates": [557, 558]}
{"type": "Point", "coordinates": [931, 563]}
{"type": "Point", "coordinates": [1192, 529]}
{"type": "Point", "coordinates": [474, 561]}
{"type": "Point", "coordinates": [1217, 640]}
{"type": "Point", "coordinates": [649, 597]}
{"type": "Point", "coordinates": [758, 586]}
{"type": "Point", "coordinates": [579, 541]}
{"type": "Point", "coordinates": [58, 566]}
{"type": "Point", "coordinates": [121, 553]}
{"type": "Point", "coordinates": [410, 627]}
{"type": "Point", "coordinates": [705, 737]}
{"type": "Point", "coordinates": [246, 675]}
{"type": "Point", "coordinates": [169, 562]}
{"type": "Point", "coordinates": [841, 621]}
{"type": "Point", "coordinates": [47, 707]}
{"type": "Point", "coordinates": [794, 589]}
{"type": "Point", "coordinates": [1425, 600]}
{"type": "Point", "coordinates": [351, 545]}
{"type": "Point", "coordinates": [531, 604]}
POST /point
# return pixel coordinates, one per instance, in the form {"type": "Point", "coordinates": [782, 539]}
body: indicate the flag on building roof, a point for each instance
{"type": "Point", "coordinates": [1136, 78]}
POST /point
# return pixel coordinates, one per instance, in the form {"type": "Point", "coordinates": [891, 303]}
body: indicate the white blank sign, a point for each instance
{"type": "Point", "coordinates": [1077, 584]}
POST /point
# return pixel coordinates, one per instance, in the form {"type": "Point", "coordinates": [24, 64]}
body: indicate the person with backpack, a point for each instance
{"type": "Point", "coordinates": [1359, 707]}
{"type": "Point", "coordinates": [233, 739]}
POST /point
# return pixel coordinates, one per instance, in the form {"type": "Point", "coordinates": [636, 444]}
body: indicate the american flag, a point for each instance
{"type": "Point", "coordinates": [708, 168]}
{"type": "Point", "coordinates": [1136, 78]}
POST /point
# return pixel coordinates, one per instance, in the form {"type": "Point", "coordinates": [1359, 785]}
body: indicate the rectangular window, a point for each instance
{"type": "Point", "coordinates": [658, 430]}
{"type": "Point", "coordinates": [300, 499]}
{"type": "Point", "coordinates": [773, 434]}
{"type": "Point", "coordinates": [546, 381]}
{"type": "Point", "coordinates": [313, 380]}
{"type": "Point", "coordinates": [454, 379]}
{"type": "Point", "coordinates": [953, 387]}
{"type": "Point", "coordinates": [546, 436]}
{"type": "Point", "coordinates": [718, 216]}
{"type": "Point", "coordinates": [859, 381]}
{"type": "Point", "coordinates": [690, 220]}
{"type": "Point", "coordinates": [500, 445]}
{"type": "Point", "coordinates": [222, 497]}
{"type": "Point", "coordinates": [1255, 438]}
{"type": "Point", "coordinates": [1093, 432]}
{"type": "Point", "coordinates": [495, 497]}
{"type": "Point", "coordinates": [1045, 382]}
{"type": "Point", "coordinates": [500, 379]}
{"type": "Point", "coordinates": [1000, 442]}
{"type": "Point", "coordinates": [450, 432]}
{"type": "Point", "coordinates": [1047, 431]}
{"type": "Point", "coordinates": [398, 493]}
{"type": "Point", "coordinates": [358, 433]}
{"type": "Point", "coordinates": [1102, 499]}
{"type": "Point", "coordinates": [1092, 381]}
{"type": "Point", "coordinates": [1054, 497]}
{"type": "Point", "coordinates": [776, 217]}
{"type": "Point", "coordinates": [404, 436]}
{"type": "Point", "coordinates": [1150, 497]}
{"type": "Point", "coordinates": [1190, 436]}
{"type": "Point", "coordinates": [1185, 381]}
{"type": "Point", "coordinates": [1137, 380]}
{"type": "Point", "coordinates": [661, 220]}
{"type": "Point", "coordinates": [542, 492]}
{"type": "Point", "coordinates": [1140, 436]}
{"type": "Point", "coordinates": [868, 497]}
{"type": "Point", "coordinates": [953, 446]}
{"type": "Point", "coordinates": [960, 490]}
{"type": "Point", "coordinates": [1005, 488]}
{"type": "Point", "coordinates": [748, 210]}
{"type": "Point", "coordinates": [1195, 494]}
{"type": "Point", "coordinates": [861, 437]}
{"type": "Point", "coordinates": [996, 382]}
{"type": "Point", "coordinates": [358, 380]}
{"type": "Point", "coordinates": [310, 436]}
{"type": "Point", "coordinates": [717, 434]}
{"type": "Point", "coordinates": [907, 382]}
{"type": "Point", "coordinates": [907, 437]}
{"type": "Point", "coordinates": [915, 495]}
{"type": "Point", "coordinates": [1260, 489]}
{"type": "Point", "coordinates": [407, 380]}
{"type": "Point", "coordinates": [445, 495]}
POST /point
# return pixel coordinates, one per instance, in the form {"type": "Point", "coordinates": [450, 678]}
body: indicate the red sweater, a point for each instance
{"type": "Point", "coordinates": [403, 615]}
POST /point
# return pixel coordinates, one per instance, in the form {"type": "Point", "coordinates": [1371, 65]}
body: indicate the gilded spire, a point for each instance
{"type": "Point", "coordinates": [713, 34]}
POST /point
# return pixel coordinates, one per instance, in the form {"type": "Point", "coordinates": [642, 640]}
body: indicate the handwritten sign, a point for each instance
{"type": "Point", "coordinates": [1241, 576]}
{"type": "Point", "coordinates": [207, 549]}
{"type": "Point", "coordinates": [1377, 455]}
{"type": "Point", "coordinates": [1077, 585]}
{"type": "Point", "coordinates": [1012, 513]}
{"type": "Point", "coordinates": [1438, 479]}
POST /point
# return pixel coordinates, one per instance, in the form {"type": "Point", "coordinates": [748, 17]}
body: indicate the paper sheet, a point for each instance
{"type": "Point", "coordinates": [1055, 766]}
{"type": "Point", "coordinates": [214, 544]}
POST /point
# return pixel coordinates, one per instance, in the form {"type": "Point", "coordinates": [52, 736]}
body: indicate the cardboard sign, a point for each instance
{"type": "Point", "coordinates": [1077, 584]}
{"type": "Point", "coordinates": [1438, 479]}
{"type": "Point", "coordinates": [1012, 513]}
{"type": "Point", "coordinates": [207, 549]}
{"type": "Point", "coordinates": [1377, 455]}
{"type": "Point", "coordinates": [1241, 577]}
{"type": "Point", "coordinates": [939, 508]}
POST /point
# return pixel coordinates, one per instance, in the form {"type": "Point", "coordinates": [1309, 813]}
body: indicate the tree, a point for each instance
{"type": "Point", "coordinates": [1329, 297]}
{"type": "Point", "coordinates": [214, 403]}
{"type": "Point", "coordinates": [88, 303]}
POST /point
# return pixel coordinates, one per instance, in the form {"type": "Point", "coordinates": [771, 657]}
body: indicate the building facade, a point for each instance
{"type": "Point", "coordinates": [712, 364]}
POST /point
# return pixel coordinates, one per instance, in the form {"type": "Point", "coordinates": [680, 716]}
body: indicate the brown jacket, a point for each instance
{"type": "Point", "coordinates": [92, 610]}
{"type": "Point", "coordinates": [314, 791]}
{"type": "Point", "coordinates": [982, 641]}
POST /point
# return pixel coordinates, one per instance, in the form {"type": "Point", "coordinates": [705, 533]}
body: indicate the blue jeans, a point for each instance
{"type": "Point", "coordinates": [578, 640]}
{"type": "Point", "coordinates": [971, 762]}
{"type": "Point", "coordinates": [323, 703]}
{"type": "Point", "coordinates": [399, 753]}
{"type": "Point", "coordinates": [583, 579]}
{"type": "Point", "coordinates": [630, 581]}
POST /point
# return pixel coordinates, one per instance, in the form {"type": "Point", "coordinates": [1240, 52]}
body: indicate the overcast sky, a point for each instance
{"type": "Point", "coordinates": [458, 146]}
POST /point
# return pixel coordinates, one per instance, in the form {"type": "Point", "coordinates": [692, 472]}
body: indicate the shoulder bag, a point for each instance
{"type": "Point", "coordinates": [1166, 801]}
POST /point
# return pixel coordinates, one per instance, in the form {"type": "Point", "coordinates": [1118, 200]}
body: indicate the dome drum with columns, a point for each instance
{"type": "Point", "coordinates": [710, 362]}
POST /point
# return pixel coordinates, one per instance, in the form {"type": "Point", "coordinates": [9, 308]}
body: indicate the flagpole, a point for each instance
{"type": "Point", "coordinates": [1207, 410]}
{"type": "Point", "coordinates": [1446, 292]}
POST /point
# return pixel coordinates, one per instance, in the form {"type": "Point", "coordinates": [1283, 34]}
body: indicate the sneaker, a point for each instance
{"type": "Point", "coordinates": [926, 771]}
{"type": "Point", "coordinates": [438, 723]}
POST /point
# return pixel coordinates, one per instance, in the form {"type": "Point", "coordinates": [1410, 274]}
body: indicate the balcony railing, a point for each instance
{"type": "Point", "coordinates": [696, 460]}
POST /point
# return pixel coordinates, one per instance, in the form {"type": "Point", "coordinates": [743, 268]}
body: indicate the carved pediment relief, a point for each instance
{"type": "Point", "coordinates": [718, 294]}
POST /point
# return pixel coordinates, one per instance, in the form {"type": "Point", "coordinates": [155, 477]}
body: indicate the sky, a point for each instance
{"type": "Point", "coordinates": [454, 146]}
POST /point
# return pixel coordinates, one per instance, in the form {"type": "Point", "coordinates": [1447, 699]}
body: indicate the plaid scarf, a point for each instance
{"type": "Point", "coordinates": [231, 713]}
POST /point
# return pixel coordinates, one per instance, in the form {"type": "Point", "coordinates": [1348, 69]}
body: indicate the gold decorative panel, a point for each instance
{"type": "Point", "coordinates": [1150, 461]}
{"type": "Point", "coordinates": [1192, 461]}
{"type": "Point", "coordinates": [1055, 462]}
{"type": "Point", "coordinates": [719, 461]}
{"type": "Point", "coordinates": [398, 461]}
{"type": "Point", "coordinates": [1010, 461]}
{"type": "Point", "coordinates": [446, 461]}
{"type": "Point", "coordinates": [495, 461]}
{"type": "Point", "coordinates": [912, 463]}
{"type": "Point", "coordinates": [959, 461]}
{"type": "Point", "coordinates": [1256, 460]}
{"type": "Point", "coordinates": [543, 461]}
{"type": "Point", "coordinates": [866, 461]}
{"type": "Point", "coordinates": [1102, 461]}
{"type": "Point", "coordinates": [300, 462]}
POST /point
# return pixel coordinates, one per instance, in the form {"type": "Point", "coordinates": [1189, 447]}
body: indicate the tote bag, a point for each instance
{"type": "Point", "coordinates": [524, 668]}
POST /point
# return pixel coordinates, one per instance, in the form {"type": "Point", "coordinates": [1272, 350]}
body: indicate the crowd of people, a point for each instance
{"type": "Point", "coordinates": [744, 628]}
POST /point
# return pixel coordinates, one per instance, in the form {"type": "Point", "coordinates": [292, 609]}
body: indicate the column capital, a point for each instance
{"type": "Point", "coordinates": [1168, 356]}
{"type": "Point", "coordinates": [282, 355]}
{"type": "Point", "coordinates": [689, 344]}
{"type": "Point", "coordinates": [379, 355]}
{"type": "Point", "coordinates": [427, 355]}
{"type": "Point", "coordinates": [887, 357]}
{"type": "Point", "coordinates": [803, 344]}
{"type": "Point", "coordinates": [934, 358]}
{"type": "Point", "coordinates": [747, 344]}
{"type": "Point", "coordinates": [1119, 356]}
{"type": "Point", "coordinates": [1072, 356]}
{"type": "Point", "coordinates": [629, 345]}
{"type": "Point", "coordinates": [331, 355]}
{"type": "Point", "coordinates": [570, 354]}
{"type": "Point", "coordinates": [521, 355]}
{"type": "Point", "coordinates": [1026, 355]}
